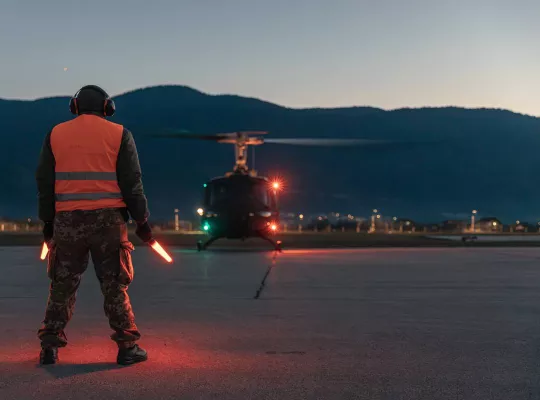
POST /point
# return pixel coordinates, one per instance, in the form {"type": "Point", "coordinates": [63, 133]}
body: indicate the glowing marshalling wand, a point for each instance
{"type": "Point", "coordinates": [153, 243]}
{"type": "Point", "coordinates": [160, 250]}
{"type": "Point", "coordinates": [44, 251]}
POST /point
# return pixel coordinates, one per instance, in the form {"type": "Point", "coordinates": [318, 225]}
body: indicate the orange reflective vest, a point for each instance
{"type": "Point", "coordinates": [85, 150]}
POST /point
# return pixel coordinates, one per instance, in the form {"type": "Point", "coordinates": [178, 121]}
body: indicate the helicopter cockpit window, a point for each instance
{"type": "Point", "coordinates": [222, 193]}
{"type": "Point", "coordinates": [260, 193]}
{"type": "Point", "coordinates": [219, 193]}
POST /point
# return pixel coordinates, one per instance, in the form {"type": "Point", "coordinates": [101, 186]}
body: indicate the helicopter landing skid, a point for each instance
{"type": "Point", "coordinates": [276, 245]}
{"type": "Point", "coordinates": [203, 246]}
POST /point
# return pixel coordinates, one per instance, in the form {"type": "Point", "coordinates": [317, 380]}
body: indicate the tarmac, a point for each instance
{"type": "Point", "coordinates": [315, 240]}
{"type": "Point", "coordinates": [402, 323]}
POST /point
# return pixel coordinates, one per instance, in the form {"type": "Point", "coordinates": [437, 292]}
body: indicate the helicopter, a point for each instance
{"type": "Point", "coordinates": [241, 204]}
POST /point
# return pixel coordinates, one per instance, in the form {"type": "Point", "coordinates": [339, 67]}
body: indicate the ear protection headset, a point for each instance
{"type": "Point", "coordinates": [108, 105]}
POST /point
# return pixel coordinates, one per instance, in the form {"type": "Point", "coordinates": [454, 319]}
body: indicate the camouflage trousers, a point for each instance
{"type": "Point", "coordinates": [77, 235]}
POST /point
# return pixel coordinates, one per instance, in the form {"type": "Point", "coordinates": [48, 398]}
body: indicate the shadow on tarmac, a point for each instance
{"type": "Point", "coordinates": [60, 371]}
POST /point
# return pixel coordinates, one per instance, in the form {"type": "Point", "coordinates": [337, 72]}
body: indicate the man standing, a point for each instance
{"type": "Point", "coordinates": [89, 182]}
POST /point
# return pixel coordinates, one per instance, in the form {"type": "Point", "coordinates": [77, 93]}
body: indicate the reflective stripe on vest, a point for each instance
{"type": "Point", "coordinates": [86, 151]}
{"type": "Point", "coordinates": [87, 196]}
{"type": "Point", "coordinates": [86, 176]}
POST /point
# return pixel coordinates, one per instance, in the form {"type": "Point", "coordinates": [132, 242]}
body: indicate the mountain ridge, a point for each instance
{"type": "Point", "coordinates": [456, 159]}
{"type": "Point", "coordinates": [142, 89]}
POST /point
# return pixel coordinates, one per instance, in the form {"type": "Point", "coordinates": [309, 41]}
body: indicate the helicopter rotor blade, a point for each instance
{"type": "Point", "coordinates": [254, 140]}
{"type": "Point", "coordinates": [327, 142]}
{"type": "Point", "coordinates": [218, 137]}
{"type": "Point", "coordinates": [186, 135]}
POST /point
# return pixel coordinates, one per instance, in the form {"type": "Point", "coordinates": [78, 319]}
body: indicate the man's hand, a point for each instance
{"type": "Point", "coordinates": [48, 231]}
{"type": "Point", "coordinates": [144, 232]}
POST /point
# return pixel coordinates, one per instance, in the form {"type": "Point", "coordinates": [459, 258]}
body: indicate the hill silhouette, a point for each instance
{"type": "Point", "coordinates": [452, 160]}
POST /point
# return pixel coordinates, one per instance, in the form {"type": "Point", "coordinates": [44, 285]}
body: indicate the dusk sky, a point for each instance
{"type": "Point", "coordinates": [298, 53]}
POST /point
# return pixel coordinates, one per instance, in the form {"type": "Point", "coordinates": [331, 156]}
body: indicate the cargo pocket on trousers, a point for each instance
{"type": "Point", "coordinates": [51, 260]}
{"type": "Point", "coordinates": [126, 265]}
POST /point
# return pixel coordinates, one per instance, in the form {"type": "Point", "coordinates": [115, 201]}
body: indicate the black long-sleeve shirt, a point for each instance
{"type": "Point", "coordinates": [128, 171]}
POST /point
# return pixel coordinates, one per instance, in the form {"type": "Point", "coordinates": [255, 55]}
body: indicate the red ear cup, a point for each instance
{"type": "Point", "coordinates": [73, 107]}
{"type": "Point", "coordinates": [109, 108]}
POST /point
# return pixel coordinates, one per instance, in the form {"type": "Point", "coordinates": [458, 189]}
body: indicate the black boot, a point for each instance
{"type": "Point", "coordinates": [131, 355]}
{"type": "Point", "coordinates": [48, 355]}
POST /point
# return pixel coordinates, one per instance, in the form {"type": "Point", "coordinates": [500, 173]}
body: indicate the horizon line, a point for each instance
{"type": "Point", "coordinates": [375, 108]}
